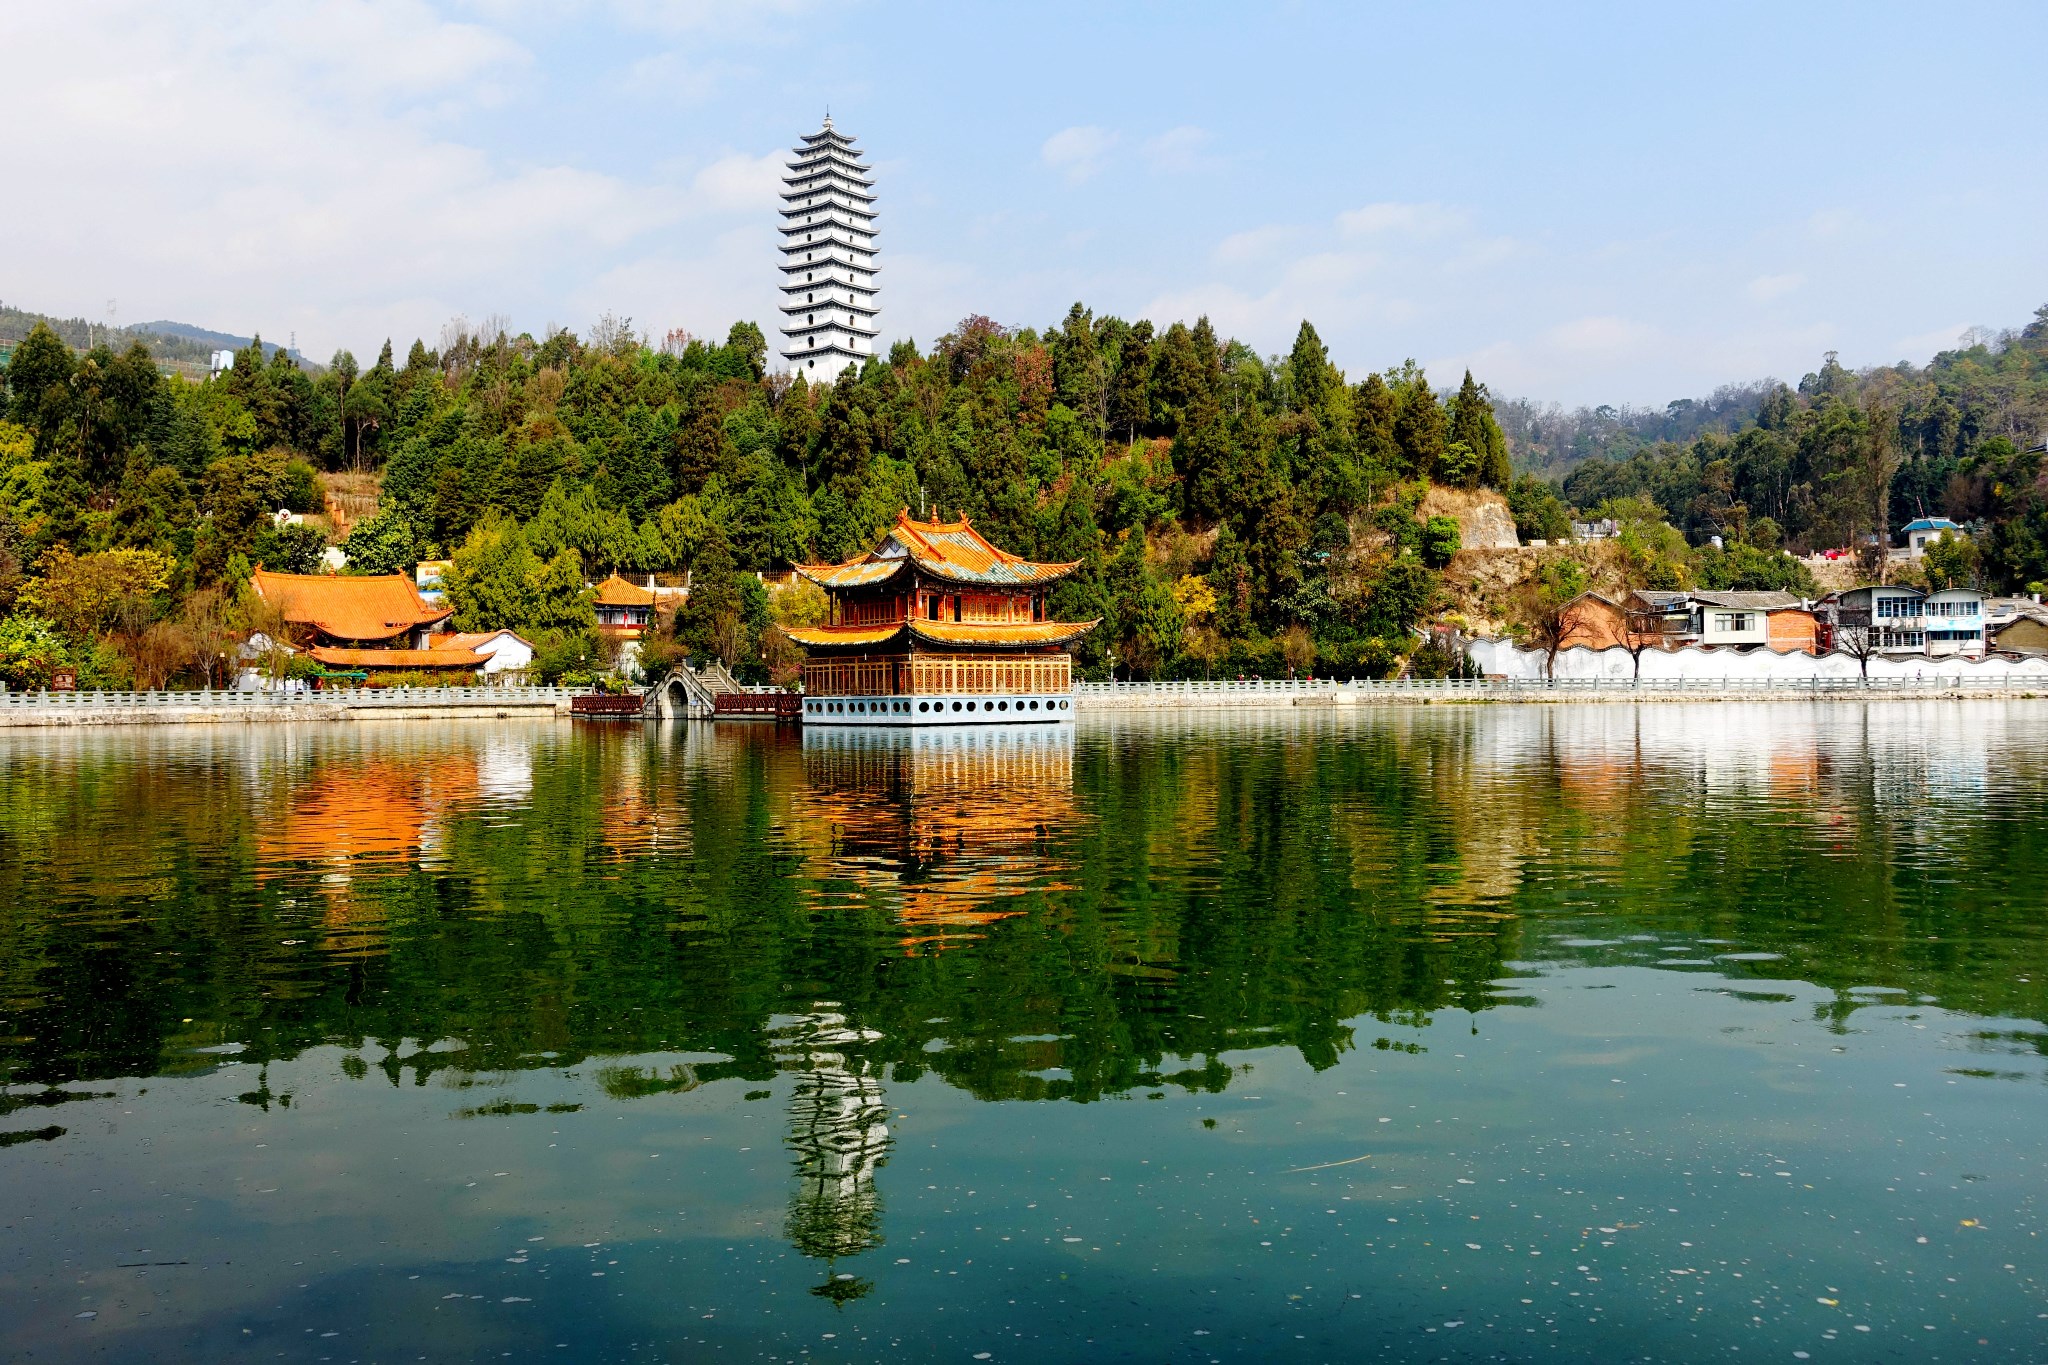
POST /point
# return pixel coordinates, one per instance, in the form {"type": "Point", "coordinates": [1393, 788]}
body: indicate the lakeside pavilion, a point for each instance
{"type": "Point", "coordinates": [935, 626]}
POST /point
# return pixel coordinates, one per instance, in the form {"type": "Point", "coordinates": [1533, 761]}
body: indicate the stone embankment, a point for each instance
{"type": "Point", "coordinates": [244, 708]}
{"type": "Point", "coordinates": [19, 709]}
{"type": "Point", "coordinates": [1440, 692]}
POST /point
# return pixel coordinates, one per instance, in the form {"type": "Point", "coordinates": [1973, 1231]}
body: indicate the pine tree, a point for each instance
{"type": "Point", "coordinates": [1128, 394]}
{"type": "Point", "coordinates": [1474, 427]}
{"type": "Point", "coordinates": [1177, 379]}
{"type": "Point", "coordinates": [1419, 427]}
{"type": "Point", "coordinates": [1308, 365]}
{"type": "Point", "coordinates": [1376, 410]}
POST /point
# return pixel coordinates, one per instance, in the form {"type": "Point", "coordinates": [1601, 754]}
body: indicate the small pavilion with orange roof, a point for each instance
{"type": "Point", "coordinates": [624, 608]}
{"type": "Point", "coordinates": [937, 626]}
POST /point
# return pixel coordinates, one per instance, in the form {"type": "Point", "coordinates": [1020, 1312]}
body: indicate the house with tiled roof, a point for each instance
{"type": "Point", "coordinates": [1715, 619]}
{"type": "Point", "coordinates": [935, 624]}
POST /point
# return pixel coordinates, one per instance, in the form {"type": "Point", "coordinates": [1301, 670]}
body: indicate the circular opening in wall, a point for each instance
{"type": "Point", "coordinates": [956, 706]}
{"type": "Point", "coordinates": [924, 706]}
{"type": "Point", "coordinates": [1034, 706]}
{"type": "Point", "coordinates": [970, 706]}
{"type": "Point", "coordinates": [1063, 706]}
{"type": "Point", "coordinates": [1002, 706]}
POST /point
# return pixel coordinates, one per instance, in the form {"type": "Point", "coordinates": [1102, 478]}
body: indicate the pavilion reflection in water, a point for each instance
{"type": "Point", "coordinates": [950, 826]}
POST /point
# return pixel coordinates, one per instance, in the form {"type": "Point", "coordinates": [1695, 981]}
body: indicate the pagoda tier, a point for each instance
{"type": "Point", "coordinates": [859, 235]}
{"type": "Point", "coordinates": [859, 295]}
{"type": "Point", "coordinates": [824, 299]}
{"type": "Point", "coordinates": [935, 625]}
{"type": "Point", "coordinates": [836, 201]}
{"type": "Point", "coordinates": [828, 229]}
{"type": "Point", "coordinates": [832, 263]}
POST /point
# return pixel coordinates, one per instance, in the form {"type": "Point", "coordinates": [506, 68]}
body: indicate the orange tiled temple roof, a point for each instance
{"type": "Point", "coordinates": [950, 550]}
{"type": "Point", "coordinates": [368, 608]}
{"type": "Point", "coordinates": [991, 634]}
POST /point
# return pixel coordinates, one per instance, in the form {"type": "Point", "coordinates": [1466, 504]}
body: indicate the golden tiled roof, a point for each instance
{"type": "Point", "coordinates": [989, 634]}
{"type": "Point", "coordinates": [816, 637]}
{"type": "Point", "coordinates": [950, 550]}
{"type": "Point", "coordinates": [366, 608]}
{"type": "Point", "coordinates": [855, 573]}
{"type": "Point", "coordinates": [618, 592]}
{"type": "Point", "coordinates": [1000, 632]}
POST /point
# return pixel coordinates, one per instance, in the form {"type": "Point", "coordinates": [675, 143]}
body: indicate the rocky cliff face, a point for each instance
{"type": "Point", "coordinates": [1484, 522]}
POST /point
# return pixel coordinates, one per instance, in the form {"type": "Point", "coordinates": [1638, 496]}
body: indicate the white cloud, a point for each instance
{"type": "Point", "coordinates": [1177, 150]}
{"type": "Point", "coordinates": [1829, 225]}
{"type": "Point", "coordinates": [1413, 220]}
{"type": "Point", "coordinates": [1923, 347]}
{"type": "Point", "coordinates": [291, 170]}
{"type": "Point", "coordinates": [1765, 288]}
{"type": "Point", "coordinates": [1077, 153]}
{"type": "Point", "coordinates": [1598, 336]}
{"type": "Point", "coordinates": [741, 183]}
{"type": "Point", "coordinates": [1255, 244]}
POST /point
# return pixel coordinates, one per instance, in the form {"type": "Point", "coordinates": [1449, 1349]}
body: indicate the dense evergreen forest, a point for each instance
{"type": "Point", "coordinates": [1232, 514]}
{"type": "Point", "coordinates": [1847, 456]}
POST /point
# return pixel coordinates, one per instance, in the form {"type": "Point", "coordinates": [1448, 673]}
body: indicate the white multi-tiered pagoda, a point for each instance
{"type": "Point", "coordinates": [828, 257]}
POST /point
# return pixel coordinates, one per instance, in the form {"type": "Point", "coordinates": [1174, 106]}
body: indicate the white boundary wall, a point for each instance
{"type": "Point", "coordinates": [1501, 658]}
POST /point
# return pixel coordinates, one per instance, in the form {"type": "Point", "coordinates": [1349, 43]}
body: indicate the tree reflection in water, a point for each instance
{"type": "Point", "coordinates": [1027, 913]}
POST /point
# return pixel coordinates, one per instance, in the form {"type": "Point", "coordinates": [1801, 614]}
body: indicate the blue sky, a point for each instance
{"type": "Point", "coordinates": [1621, 203]}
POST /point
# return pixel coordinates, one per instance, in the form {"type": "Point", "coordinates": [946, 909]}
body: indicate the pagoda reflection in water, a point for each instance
{"type": "Point", "coordinates": [949, 825]}
{"type": "Point", "coordinates": [839, 1133]}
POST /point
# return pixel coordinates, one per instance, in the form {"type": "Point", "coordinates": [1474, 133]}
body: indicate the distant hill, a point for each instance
{"type": "Point", "coordinates": [218, 341]}
{"type": "Point", "coordinates": [1550, 441]}
{"type": "Point", "coordinates": [171, 342]}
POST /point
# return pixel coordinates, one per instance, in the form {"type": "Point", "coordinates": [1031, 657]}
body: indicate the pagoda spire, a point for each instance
{"type": "Point", "coordinates": [829, 299]}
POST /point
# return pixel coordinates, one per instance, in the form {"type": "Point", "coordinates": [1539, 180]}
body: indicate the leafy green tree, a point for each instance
{"type": "Point", "coordinates": [491, 580]}
{"type": "Point", "coordinates": [39, 385]}
{"type": "Point", "coordinates": [31, 651]}
{"type": "Point", "coordinates": [710, 622]}
{"type": "Point", "coordinates": [1950, 561]}
{"type": "Point", "coordinates": [385, 544]}
{"type": "Point", "coordinates": [1441, 539]}
{"type": "Point", "coordinates": [1539, 513]}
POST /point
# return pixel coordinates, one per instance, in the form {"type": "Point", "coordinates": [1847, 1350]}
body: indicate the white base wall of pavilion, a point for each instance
{"type": "Point", "coordinates": [981, 709]}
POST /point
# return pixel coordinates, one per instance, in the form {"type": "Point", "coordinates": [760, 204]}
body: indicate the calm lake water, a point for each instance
{"type": "Point", "coordinates": [1588, 1033]}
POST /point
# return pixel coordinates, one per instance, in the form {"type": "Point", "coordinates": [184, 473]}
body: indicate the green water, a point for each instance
{"type": "Point", "coordinates": [1482, 1033]}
